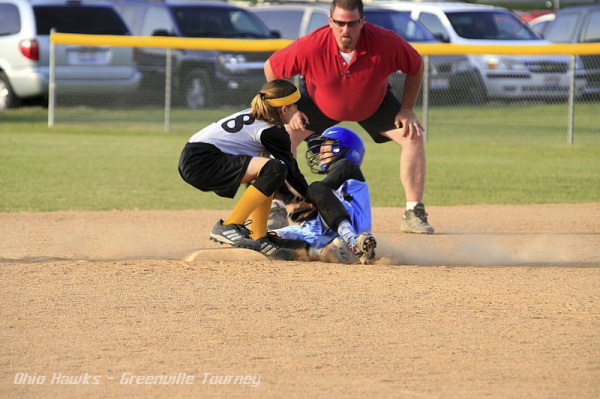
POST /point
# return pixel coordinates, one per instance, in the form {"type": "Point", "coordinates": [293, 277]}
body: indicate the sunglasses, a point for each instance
{"type": "Point", "coordinates": [351, 24]}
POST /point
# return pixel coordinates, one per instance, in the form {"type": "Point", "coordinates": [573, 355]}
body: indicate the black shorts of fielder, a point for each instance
{"type": "Point", "coordinates": [381, 121]}
{"type": "Point", "coordinates": [207, 168]}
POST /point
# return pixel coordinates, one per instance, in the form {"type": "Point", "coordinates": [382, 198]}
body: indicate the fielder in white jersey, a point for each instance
{"type": "Point", "coordinates": [249, 146]}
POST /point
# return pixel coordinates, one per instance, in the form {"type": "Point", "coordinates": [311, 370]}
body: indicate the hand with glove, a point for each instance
{"type": "Point", "coordinates": [300, 211]}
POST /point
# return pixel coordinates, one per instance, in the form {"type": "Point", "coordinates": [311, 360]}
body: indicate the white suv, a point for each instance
{"type": "Point", "coordinates": [25, 51]}
{"type": "Point", "coordinates": [479, 78]}
{"type": "Point", "coordinates": [295, 20]}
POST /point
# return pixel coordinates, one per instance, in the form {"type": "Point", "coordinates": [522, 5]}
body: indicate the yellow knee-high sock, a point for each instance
{"type": "Point", "coordinates": [259, 217]}
{"type": "Point", "coordinates": [251, 200]}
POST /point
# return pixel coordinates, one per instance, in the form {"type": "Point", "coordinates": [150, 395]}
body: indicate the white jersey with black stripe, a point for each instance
{"type": "Point", "coordinates": [237, 134]}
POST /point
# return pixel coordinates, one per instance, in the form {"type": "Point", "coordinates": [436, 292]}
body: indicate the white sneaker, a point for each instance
{"type": "Point", "coordinates": [277, 216]}
{"type": "Point", "coordinates": [415, 221]}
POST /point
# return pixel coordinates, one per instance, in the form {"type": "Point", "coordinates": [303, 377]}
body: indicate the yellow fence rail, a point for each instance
{"type": "Point", "coordinates": [169, 42]}
{"type": "Point", "coordinates": [276, 44]}
{"type": "Point", "coordinates": [426, 50]}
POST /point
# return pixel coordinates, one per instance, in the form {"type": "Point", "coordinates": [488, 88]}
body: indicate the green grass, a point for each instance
{"type": "Point", "coordinates": [130, 164]}
{"type": "Point", "coordinates": [518, 123]}
{"type": "Point", "coordinates": [495, 123]}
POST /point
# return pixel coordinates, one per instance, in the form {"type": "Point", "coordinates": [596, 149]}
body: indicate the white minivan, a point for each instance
{"type": "Point", "coordinates": [25, 51]}
{"type": "Point", "coordinates": [494, 76]}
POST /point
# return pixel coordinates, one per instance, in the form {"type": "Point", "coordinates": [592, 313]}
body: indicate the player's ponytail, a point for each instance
{"type": "Point", "coordinates": [273, 95]}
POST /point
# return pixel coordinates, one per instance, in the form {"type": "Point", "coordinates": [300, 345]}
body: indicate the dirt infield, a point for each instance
{"type": "Point", "coordinates": [503, 302]}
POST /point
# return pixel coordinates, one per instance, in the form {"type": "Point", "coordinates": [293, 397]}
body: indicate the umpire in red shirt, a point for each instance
{"type": "Point", "coordinates": [346, 67]}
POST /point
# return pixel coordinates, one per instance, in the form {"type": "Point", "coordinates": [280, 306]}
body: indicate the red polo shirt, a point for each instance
{"type": "Point", "coordinates": [347, 92]}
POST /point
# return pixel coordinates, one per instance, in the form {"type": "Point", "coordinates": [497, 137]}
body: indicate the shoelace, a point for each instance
{"type": "Point", "coordinates": [420, 213]}
{"type": "Point", "coordinates": [272, 236]}
{"type": "Point", "coordinates": [245, 229]}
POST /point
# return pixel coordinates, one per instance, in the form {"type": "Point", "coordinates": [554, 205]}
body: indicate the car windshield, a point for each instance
{"type": "Point", "coordinates": [76, 19]}
{"type": "Point", "coordinates": [563, 29]}
{"type": "Point", "coordinates": [219, 22]}
{"type": "Point", "coordinates": [286, 22]}
{"type": "Point", "coordinates": [490, 26]}
{"type": "Point", "coordinates": [401, 23]}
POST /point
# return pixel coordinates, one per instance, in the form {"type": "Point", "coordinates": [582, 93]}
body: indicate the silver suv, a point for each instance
{"type": "Point", "coordinates": [580, 25]}
{"type": "Point", "coordinates": [25, 51]}
{"type": "Point", "coordinates": [478, 78]}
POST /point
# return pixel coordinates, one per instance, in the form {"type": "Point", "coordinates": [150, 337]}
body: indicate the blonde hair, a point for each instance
{"type": "Point", "coordinates": [262, 110]}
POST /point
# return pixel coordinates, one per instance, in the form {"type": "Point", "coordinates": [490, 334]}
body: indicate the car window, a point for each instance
{"type": "Point", "coordinates": [219, 22]}
{"type": "Point", "coordinates": [246, 24]}
{"type": "Point", "coordinates": [541, 26]}
{"type": "Point", "coordinates": [10, 22]}
{"type": "Point", "coordinates": [562, 30]}
{"type": "Point", "coordinates": [286, 22]}
{"type": "Point", "coordinates": [490, 26]}
{"type": "Point", "coordinates": [433, 23]}
{"type": "Point", "coordinates": [401, 23]}
{"type": "Point", "coordinates": [76, 19]}
{"type": "Point", "coordinates": [592, 32]}
{"type": "Point", "coordinates": [156, 19]}
{"type": "Point", "coordinates": [132, 14]}
{"type": "Point", "coordinates": [316, 21]}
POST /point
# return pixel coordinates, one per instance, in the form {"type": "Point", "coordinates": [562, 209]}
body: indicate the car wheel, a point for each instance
{"type": "Point", "coordinates": [8, 99]}
{"type": "Point", "coordinates": [196, 91]}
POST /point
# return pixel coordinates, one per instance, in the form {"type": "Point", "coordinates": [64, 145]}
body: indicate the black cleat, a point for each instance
{"type": "Point", "coordinates": [276, 247]}
{"type": "Point", "coordinates": [236, 235]}
{"type": "Point", "coordinates": [366, 243]}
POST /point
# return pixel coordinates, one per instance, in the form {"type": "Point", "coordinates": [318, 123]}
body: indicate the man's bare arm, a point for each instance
{"type": "Point", "coordinates": [406, 120]}
{"type": "Point", "coordinates": [269, 74]}
{"type": "Point", "coordinates": [412, 85]}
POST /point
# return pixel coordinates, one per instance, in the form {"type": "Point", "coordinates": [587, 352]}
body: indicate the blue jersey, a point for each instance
{"type": "Point", "coordinates": [317, 234]}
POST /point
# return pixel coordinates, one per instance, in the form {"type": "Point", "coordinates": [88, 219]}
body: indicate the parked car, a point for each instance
{"type": "Point", "coordinates": [25, 51]}
{"type": "Point", "coordinates": [201, 78]}
{"type": "Point", "coordinates": [292, 20]}
{"type": "Point", "coordinates": [479, 78]}
{"type": "Point", "coordinates": [530, 15]}
{"type": "Point", "coordinates": [580, 25]}
{"type": "Point", "coordinates": [297, 20]}
{"type": "Point", "coordinates": [541, 23]}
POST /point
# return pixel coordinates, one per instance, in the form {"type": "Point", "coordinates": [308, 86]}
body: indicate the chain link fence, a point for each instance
{"type": "Point", "coordinates": [491, 98]}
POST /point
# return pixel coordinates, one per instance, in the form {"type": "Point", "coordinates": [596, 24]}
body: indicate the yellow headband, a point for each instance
{"type": "Point", "coordinates": [288, 100]}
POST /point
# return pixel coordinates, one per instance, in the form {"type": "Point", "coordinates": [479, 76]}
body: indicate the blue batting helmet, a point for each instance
{"type": "Point", "coordinates": [344, 144]}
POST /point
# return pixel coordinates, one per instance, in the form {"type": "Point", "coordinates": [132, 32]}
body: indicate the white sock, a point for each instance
{"type": "Point", "coordinates": [411, 205]}
{"type": "Point", "coordinates": [346, 231]}
{"type": "Point", "coordinates": [348, 236]}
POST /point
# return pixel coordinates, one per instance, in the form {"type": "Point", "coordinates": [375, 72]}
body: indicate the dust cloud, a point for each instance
{"type": "Point", "coordinates": [476, 251]}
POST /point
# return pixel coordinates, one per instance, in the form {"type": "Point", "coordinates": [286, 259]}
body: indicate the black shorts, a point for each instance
{"type": "Point", "coordinates": [207, 168]}
{"type": "Point", "coordinates": [381, 121]}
